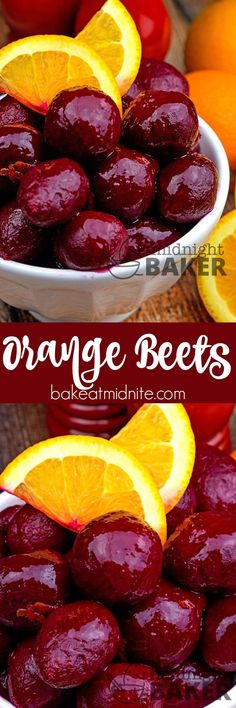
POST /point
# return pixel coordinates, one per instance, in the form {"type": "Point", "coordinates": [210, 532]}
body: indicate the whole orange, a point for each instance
{"type": "Point", "coordinates": [211, 40]}
{"type": "Point", "coordinates": [214, 94]}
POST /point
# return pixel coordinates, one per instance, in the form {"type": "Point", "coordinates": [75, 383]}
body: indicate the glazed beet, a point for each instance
{"type": "Point", "coordinates": [194, 685]}
{"type": "Point", "coordinates": [117, 559]}
{"type": "Point", "coordinates": [19, 241]}
{"type": "Point", "coordinates": [157, 75]}
{"type": "Point", "coordinates": [31, 530]}
{"type": "Point", "coordinates": [26, 688]}
{"type": "Point", "coordinates": [124, 184]}
{"type": "Point", "coordinates": [12, 112]}
{"type": "Point", "coordinates": [163, 629]}
{"type": "Point", "coordinates": [186, 506]}
{"type": "Point", "coordinates": [121, 684]}
{"type": "Point", "coordinates": [19, 143]}
{"type": "Point", "coordinates": [75, 642]}
{"type": "Point", "coordinates": [51, 193]}
{"type": "Point", "coordinates": [163, 124]}
{"type": "Point", "coordinates": [91, 240]}
{"type": "Point", "coordinates": [219, 635]}
{"type": "Point", "coordinates": [201, 554]}
{"type": "Point", "coordinates": [187, 188]}
{"type": "Point", "coordinates": [6, 644]}
{"type": "Point", "coordinates": [147, 236]}
{"type": "Point", "coordinates": [6, 515]}
{"type": "Point", "coordinates": [214, 479]}
{"type": "Point", "coordinates": [32, 585]}
{"type": "Point", "coordinates": [83, 123]}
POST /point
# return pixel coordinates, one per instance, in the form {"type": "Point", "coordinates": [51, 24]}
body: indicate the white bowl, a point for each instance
{"type": "Point", "coordinates": [111, 295]}
{"type": "Point", "coordinates": [9, 500]}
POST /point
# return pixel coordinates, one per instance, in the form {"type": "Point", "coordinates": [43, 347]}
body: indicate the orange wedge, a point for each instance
{"type": "Point", "coordinates": [161, 437]}
{"type": "Point", "coordinates": [35, 69]}
{"type": "Point", "coordinates": [74, 479]}
{"type": "Point", "coordinates": [112, 32]}
{"type": "Point", "coordinates": [218, 291]}
{"type": "Point", "coordinates": [233, 454]}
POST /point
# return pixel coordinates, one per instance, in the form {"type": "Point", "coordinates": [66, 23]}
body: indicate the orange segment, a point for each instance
{"type": "Point", "coordinates": [233, 454]}
{"type": "Point", "coordinates": [74, 479]}
{"type": "Point", "coordinates": [216, 290]}
{"type": "Point", "coordinates": [113, 34]}
{"type": "Point", "coordinates": [35, 69]}
{"type": "Point", "coordinates": [161, 437]}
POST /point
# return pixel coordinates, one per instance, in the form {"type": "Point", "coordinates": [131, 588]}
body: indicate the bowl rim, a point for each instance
{"type": "Point", "coordinates": [191, 240]}
{"type": "Point", "coordinates": [7, 499]}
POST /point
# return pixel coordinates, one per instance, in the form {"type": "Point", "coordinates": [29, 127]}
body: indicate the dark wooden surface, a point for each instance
{"type": "Point", "coordinates": [181, 303]}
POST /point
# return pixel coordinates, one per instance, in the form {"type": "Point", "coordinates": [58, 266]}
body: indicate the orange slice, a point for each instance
{"type": "Point", "coordinates": [233, 454]}
{"type": "Point", "coordinates": [112, 32]}
{"type": "Point", "coordinates": [74, 479]}
{"type": "Point", "coordinates": [35, 69]}
{"type": "Point", "coordinates": [218, 291]}
{"type": "Point", "coordinates": [161, 437]}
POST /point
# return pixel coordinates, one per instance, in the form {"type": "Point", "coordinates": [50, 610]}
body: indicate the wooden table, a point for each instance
{"type": "Point", "coordinates": [181, 303]}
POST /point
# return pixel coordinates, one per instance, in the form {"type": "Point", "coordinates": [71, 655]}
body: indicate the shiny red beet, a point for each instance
{"type": "Point", "coordinates": [186, 506]}
{"type": "Point", "coordinates": [219, 635]}
{"type": "Point", "coordinates": [12, 112]}
{"type": "Point", "coordinates": [214, 479]}
{"type": "Point", "coordinates": [26, 688]}
{"type": "Point", "coordinates": [19, 241]}
{"type": "Point", "coordinates": [147, 236]}
{"type": "Point", "coordinates": [31, 530]}
{"type": "Point", "coordinates": [135, 685]}
{"type": "Point", "coordinates": [6, 515]}
{"type": "Point", "coordinates": [19, 143]}
{"type": "Point", "coordinates": [51, 193]}
{"type": "Point", "coordinates": [31, 586]}
{"type": "Point", "coordinates": [194, 685]}
{"type": "Point", "coordinates": [157, 75]}
{"type": "Point", "coordinates": [163, 629]}
{"type": "Point", "coordinates": [187, 189]}
{"type": "Point", "coordinates": [161, 123]}
{"type": "Point", "coordinates": [117, 559]}
{"type": "Point", "coordinates": [75, 642]}
{"type": "Point", "coordinates": [124, 184]}
{"type": "Point", "coordinates": [6, 645]}
{"type": "Point", "coordinates": [91, 240]}
{"type": "Point", "coordinates": [83, 123]}
{"type": "Point", "coordinates": [201, 553]}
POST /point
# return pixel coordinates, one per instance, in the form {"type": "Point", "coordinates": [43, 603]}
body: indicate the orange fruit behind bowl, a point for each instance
{"type": "Point", "coordinates": [211, 42]}
{"type": "Point", "coordinates": [214, 94]}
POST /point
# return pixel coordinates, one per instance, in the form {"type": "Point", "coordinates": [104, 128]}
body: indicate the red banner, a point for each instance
{"type": "Point", "coordinates": [144, 362]}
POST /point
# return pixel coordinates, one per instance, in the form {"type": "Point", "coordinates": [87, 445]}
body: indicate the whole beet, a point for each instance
{"type": "Point", "coordinates": [75, 642]}
{"type": "Point", "coordinates": [26, 688]}
{"type": "Point", "coordinates": [201, 553]}
{"type": "Point", "coordinates": [219, 635]}
{"type": "Point", "coordinates": [117, 559]}
{"type": "Point", "coordinates": [214, 479]}
{"type": "Point", "coordinates": [32, 585]}
{"type": "Point", "coordinates": [164, 629]}
{"type": "Point", "coordinates": [31, 530]}
{"type": "Point", "coordinates": [135, 685]}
